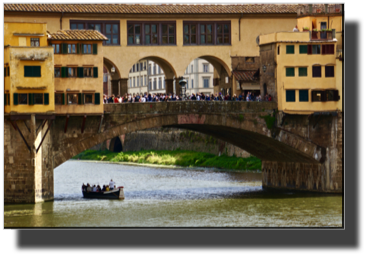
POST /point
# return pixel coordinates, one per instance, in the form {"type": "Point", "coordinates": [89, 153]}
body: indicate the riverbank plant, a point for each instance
{"type": "Point", "coordinates": [177, 158]}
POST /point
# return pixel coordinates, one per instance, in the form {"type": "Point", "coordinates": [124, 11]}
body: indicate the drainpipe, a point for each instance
{"type": "Point", "coordinates": [61, 21]}
{"type": "Point", "coordinates": [239, 24]}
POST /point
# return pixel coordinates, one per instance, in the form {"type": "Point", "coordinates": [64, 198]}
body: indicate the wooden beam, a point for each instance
{"type": "Point", "coordinates": [100, 124]}
{"type": "Point", "coordinates": [83, 124]}
{"type": "Point", "coordinates": [19, 131]}
{"type": "Point", "coordinates": [40, 144]}
{"type": "Point", "coordinates": [66, 124]}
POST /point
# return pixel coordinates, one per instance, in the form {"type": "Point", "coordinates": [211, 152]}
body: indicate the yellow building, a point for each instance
{"type": "Point", "coordinates": [307, 74]}
{"type": "Point", "coordinates": [78, 71]}
{"type": "Point", "coordinates": [28, 68]}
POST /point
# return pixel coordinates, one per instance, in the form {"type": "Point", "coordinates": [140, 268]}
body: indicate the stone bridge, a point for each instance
{"type": "Point", "coordinates": [297, 152]}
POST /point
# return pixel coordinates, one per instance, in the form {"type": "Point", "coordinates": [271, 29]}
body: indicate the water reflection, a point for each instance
{"type": "Point", "coordinates": [156, 197]}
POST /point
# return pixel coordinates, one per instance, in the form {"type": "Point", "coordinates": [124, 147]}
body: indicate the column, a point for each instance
{"type": "Point", "coordinates": [123, 86]}
{"type": "Point", "coordinates": [115, 87]}
{"type": "Point", "coordinates": [169, 84]}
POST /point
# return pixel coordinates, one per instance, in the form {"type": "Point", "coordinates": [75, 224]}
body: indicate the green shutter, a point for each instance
{"type": "Point", "coordinates": [5, 71]}
{"type": "Point", "coordinates": [31, 98]}
{"type": "Point", "coordinates": [79, 98]}
{"type": "Point", "coordinates": [46, 99]}
{"type": "Point", "coordinates": [64, 48]}
{"type": "Point", "coordinates": [78, 48]}
{"type": "Point", "coordinates": [95, 49]}
{"type": "Point", "coordinates": [95, 72]}
{"type": "Point", "coordinates": [303, 49]}
{"type": "Point", "coordinates": [63, 99]}
{"type": "Point", "coordinates": [290, 95]}
{"type": "Point", "coordinates": [303, 95]}
{"type": "Point", "coordinates": [97, 98]}
{"type": "Point", "coordinates": [303, 71]}
{"type": "Point", "coordinates": [290, 49]}
{"type": "Point", "coordinates": [36, 71]}
{"type": "Point", "coordinates": [64, 72]}
{"type": "Point", "coordinates": [28, 71]}
{"type": "Point", "coordinates": [15, 98]}
{"type": "Point", "coordinates": [290, 72]}
{"type": "Point", "coordinates": [80, 72]}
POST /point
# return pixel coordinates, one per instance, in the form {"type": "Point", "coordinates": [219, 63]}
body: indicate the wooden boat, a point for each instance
{"type": "Point", "coordinates": [117, 193]}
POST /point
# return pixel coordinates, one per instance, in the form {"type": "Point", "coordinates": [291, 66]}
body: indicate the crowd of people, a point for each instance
{"type": "Point", "coordinates": [97, 188]}
{"type": "Point", "coordinates": [162, 97]}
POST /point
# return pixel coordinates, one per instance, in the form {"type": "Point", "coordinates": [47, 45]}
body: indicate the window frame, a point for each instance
{"type": "Point", "coordinates": [316, 66]}
{"type": "Point", "coordinates": [75, 72]}
{"type": "Point", "coordinates": [19, 99]}
{"type": "Point", "coordinates": [158, 33]}
{"type": "Point", "coordinates": [303, 46]}
{"type": "Point", "coordinates": [103, 23]}
{"type": "Point", "coordinates": [301, 91]}
{"type": "Point", "coordinates": [61, 97]}
{"type": "Point", "coordinates": [331, 66]}
{"type": "Point", "coordinates": [306, 71]}
{"type": "Point", "coordinates": [86, 45]}
{"type": "Point", "coordinates": [40, 71]}
{"type": "Point", "coordinates": [71, 46]}
{"type": "Point", "coordinates": [203, 82]}
{"type": "Point", "coordinates": [203, 67]}
{"type": "Point", "coordinates": [293, 68]}
{"type": "Point", "coordinates": [88, 95]}
{"type": "Point", "coordinates": [214, 33]}
{"type": "Point", "coordinates": [55, 68]}
{"type": "Point", "coordinates": [34, 39]}
{"type": "Point", "coordinates": [54, 46]}
{"type": "Point", "coordinates": [91, 72]}
{"type": "Point", "coordinates": [290, 46]}
{"type": "Point", "coordinates": [290, 91]}
{"type": "Point", "coordinates": [69, 94]}
{"type": "Point", "coordinates": [35, 98]}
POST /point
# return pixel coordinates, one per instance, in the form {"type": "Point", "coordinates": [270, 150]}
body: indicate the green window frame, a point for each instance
{"type": "Point", "coordinates": [46, 99]}
{"type": "Point", "coordinates": [290, 95]}
{"type": "Point", "coordinates": [95, 49]}
{"type": "Point", "coordinates": [32, 71]}
{"type": "Point", "coordinates": [97, 98]}
{"type": "Point", "coordinates": [64, 48]}
{"type": "Point", "coordinates": [303, 95]}
{"type": "Point", "coordinates": [303, 49]}
{"type": "Point", "coordinates": [290, 49]}
{"type": "Point", "coordinates": [95, 71]}
{"type": "Point", "coordinates": [15, 98]}
{"type": "Point", "coordinates": [290, 72]}
{"type": "Point", "coordinates": [31, 98]}
{"type": "Point", "coordinates": [303, 71]}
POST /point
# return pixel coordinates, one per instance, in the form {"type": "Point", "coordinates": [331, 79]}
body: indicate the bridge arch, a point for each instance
{"type": "Point", "coordinates": [109, 65]}
{"type": "Point", "coordinates": [247, 131]}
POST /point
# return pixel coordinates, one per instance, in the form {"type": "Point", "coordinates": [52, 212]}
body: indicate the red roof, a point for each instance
{"type": "Point", "coordinates": [245, 75]}
{"type": "Point", "coordinates": [153, 9]}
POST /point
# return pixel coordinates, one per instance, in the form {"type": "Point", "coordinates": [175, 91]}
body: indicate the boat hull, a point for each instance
{"type": "Point", "coordinates": [112, 194]}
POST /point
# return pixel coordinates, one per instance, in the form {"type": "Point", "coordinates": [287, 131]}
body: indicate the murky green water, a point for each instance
{"type": "Point", "coordinates": [156, 197]}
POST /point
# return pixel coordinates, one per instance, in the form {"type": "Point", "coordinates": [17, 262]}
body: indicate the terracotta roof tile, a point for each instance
{"type": "Point", "coordinates": [153, 9]}
{"type": "Point", "coordinates": [76, 35]}
{"type": "Point", "coordinates": [245, 75]}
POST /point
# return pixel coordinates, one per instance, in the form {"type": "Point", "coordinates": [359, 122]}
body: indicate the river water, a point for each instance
{"type": "Point", "coordinates": [164, 197]}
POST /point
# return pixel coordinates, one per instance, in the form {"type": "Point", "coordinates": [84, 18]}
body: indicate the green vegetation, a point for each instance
{"type": "Point", "coordinates": [177, 157]}
{"type": "Point", "coordinates": [269, 121]}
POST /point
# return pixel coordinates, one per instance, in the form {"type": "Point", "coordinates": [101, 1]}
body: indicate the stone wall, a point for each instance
{"type": "Point", "coordinates": [172, 139]}
{"type": "Point", "coordinates": [267, 78]}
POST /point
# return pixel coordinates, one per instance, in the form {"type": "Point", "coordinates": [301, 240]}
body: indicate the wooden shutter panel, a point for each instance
{"type": "Point", "coordinates": [97, 98]}
{"type": "Point", "coordinates": [15, 98]}
{"type": "Point", "coordinates": [5, 71]}
{"type": "Point", "coordinates": [31, 98]}
{"type": "Point", "coordinates": [63, 99]}
{"type": "Point", "coordinates": [8, 71]}
{"type": "Point", "coordinates": [80, 72]}
{"type": "Point", "coordinates": [335, 95]}
{"type": "Point", "coordinates": [95, 48]}
{"type": "Point", "coordinates": [324, 95]}
{"type": "Point", "coordinates": [309, 49]}
{"type": "Point", "coordinates": [27, 71]}
{"type": "Point", "coordinates": [46, 99]}
{"type": "Point", "coordinates": [78, 48]}
{"type": "Point", "coordinates": [5, 99]}
{"type": "Point", "coordinates": [64, 48]}
{"type": "Point", "coordinates": [36, 71]}
{"type": "Point", "coordinates": [323, 49]}
{"type": "Point", "coordinates": [95, 69]}
{"type": "Point", "coordinates": [79, 96]}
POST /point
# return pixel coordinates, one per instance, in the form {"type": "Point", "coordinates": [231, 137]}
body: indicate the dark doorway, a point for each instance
{"type": "Point", "coordinates": [115, 145]}
{"type": "Point", "coordinates": [265, 89]}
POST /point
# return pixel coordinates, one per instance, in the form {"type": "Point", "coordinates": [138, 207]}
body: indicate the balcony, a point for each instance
{"type": "Point", "coordinates": [319, 9]}
{"type": "Point", "coordinates": [323, 34]}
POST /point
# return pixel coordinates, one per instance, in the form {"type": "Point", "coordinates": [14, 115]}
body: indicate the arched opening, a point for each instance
{"type": "Point", "coordinates": [115, 145]}
{"type": "Point", "coordinates": [111, 78]}
{"type": "Point", "coordinates": [149, 76]}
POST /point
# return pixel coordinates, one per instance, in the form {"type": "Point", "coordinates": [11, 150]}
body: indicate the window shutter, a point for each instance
{"type": "Point", "coordinates": [290, 49]}
{"type": "Point", "coordinates": [5, 71]}
{"type": "Point", "coordinates": [64, 48]}
{"type": "Point", "coordinates": [79, 98]}
{"type": "Point", "coordinates": [78, 48]}
{"type": "Point", "coordinates": [31, 98]}
{"type": "Point", "coordinates": [27, 71]}
{"type": "Point", "coordinates": [303, 71]}
{"type": "Point", "coordinates": [303, 49]}
{"type": "Point", "coordinates": [83, 98]}
{"type": "Point", "coordinates": [15, 98]}
{"type": "Point", "coordinates": [80, 72]}
{"type": "Point", "coordinates": [95, 49]}
{"type": "Point", "coordinates": [324, 95]}
{"type": "Point", "coordinates": [290, 95]}
{"type": "Point", "coordinates": [303, 95]}
{"type": "Point", "coordinates": [5, 99]}
{"type": "Point", "coordinates": [97, 98]}
{"type": "Point", "coordinates": [335, 95]}
{"type": "Point", "coordinates": [290, 72]}
{"type": "Point", "coordinates": [309, 49]}
{"type": "Point", "coordinates": [95, 69]}
{"type": "Point", "coordinates": [63, 99]}
{"type": "Point", "coordinates": [36, 71]}
{"type": "Point", "coordinates": [46, 99]}
{"type": "Point", "coordinates": [9, 70]}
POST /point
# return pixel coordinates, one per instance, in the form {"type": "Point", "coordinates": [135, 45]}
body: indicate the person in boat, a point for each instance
{"type": "Point", "coordinates": [94, 188]}
{"type": "Point", "coordinates": [104, 188]}
{"type": "Point", "coordinates": [88, 187]}
{"type": "Point", "coordinates": [98, 188]}
{"type": "Point", "coordinates": [111, 184]}
{"type": "Point", "coordinates": [83, 187]}
{"type": "Point", "coordinates": [107, 188]}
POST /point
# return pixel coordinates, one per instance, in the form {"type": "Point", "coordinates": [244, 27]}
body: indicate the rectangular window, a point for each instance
{"type": "Point", "coordinates": [290, 95]}
{"type": "Point", "coordinates": [206, 82]}
{"type": "Point", "coordinates": [88, 72]}
{"type": "Point", "coordinates": [72, 49]}
{"type": "Point", "coordinates": [206, 33]}
{"type": "Point", "coordinates": [316, 49]}
{"type": "Point", "coordinates": [303, 95]}
{"type": "Point", "coordinates": [57, 72]}
{"type": "Point", "coordinates": [72, 72]}
{"type": "Point", "coordinates": [302, 71]}
{"type": "Point", "coordinates": [329, 71]}
{"type": "Point", "coordinates": [151, 33]}
{"type": "Point", "coordinates": [168, 34]}
{"type": "Point", "coordinates": [72, 98]}
{"type": "Point", "coordinates": [32, 71]}
{"type": "Point", "coordinates": [111, 29]}
{"type": "Point", "coordinates": [38, 98]}
{"type": "Point", "coordinates": [56, 48]}
{"type": "Point", "coordinates": [303, 49]}
{"type": "Point", "coordinates": [206, 67]}
{"type": "Point", "coordinates": [22, 98]}
{"type": "Point", "coordinates": [88, 98]}
{"type": "Point", "coordinates": [290, 49]}
{"type": "Point", "coordinates": [34, 42]}
{"type": "Point", "coordinates": [318, 96]}
{"type": "Point", "coordinates": [59, 98]}
{"type": "Point", "coordinates": [86, 48]}
{"type": "Point", "coordinates": [316, 71]}
{"type": "Point", "coordinates": [328, 49]}
{"type": "Point", "coordinates": [290, 72]}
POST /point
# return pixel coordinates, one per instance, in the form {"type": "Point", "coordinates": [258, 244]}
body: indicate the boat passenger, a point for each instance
{"type": "Point", "coordinates": [83, 187]}
{"type": "Point", "coordinates": [111, 184]}
{"type": "Point", "coordinates": [107, 188]}
{"type": "Point", "coordinates": [98, 188]}
{"type": "Point", "coordinates": [94, 188]}
{"type": "Point", "coordinates": [104, 188]}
